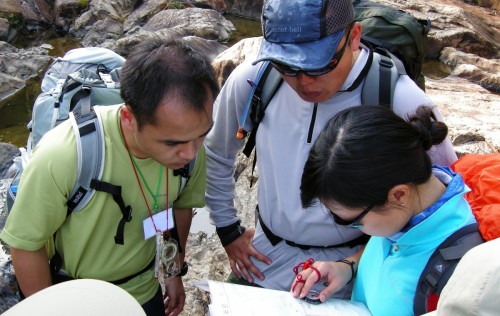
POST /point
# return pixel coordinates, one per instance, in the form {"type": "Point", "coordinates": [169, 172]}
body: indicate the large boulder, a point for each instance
{"type": "Point", "coordinates": [103, 21]}
{"type": "Point", "coordinates": [19, 65]}
{"type": "Point", "coordinates": [204, 23]}
{"type": "Point", "coordinates": [468, 28]}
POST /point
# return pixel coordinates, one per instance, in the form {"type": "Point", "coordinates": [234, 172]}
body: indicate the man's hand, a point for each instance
{"type": "Point", "coordinates": [239, 253]}
{"type": "Point", "coordinates": [174, 296]}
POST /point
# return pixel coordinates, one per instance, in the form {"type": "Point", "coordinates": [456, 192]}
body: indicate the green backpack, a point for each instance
{"type": "Point", "coordinates": [397, 32]}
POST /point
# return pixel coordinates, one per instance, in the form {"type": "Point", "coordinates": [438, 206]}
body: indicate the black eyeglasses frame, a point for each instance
{"type": "Point", "coordinates": [353, 223]}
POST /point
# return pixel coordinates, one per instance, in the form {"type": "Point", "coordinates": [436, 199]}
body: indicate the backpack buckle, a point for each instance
{"type": "Point", "coordinates": [107, 80]}
{"type": "Point", "coordinates": [385, 61]}
{"type": "Point", "coordinates": [57, 90]}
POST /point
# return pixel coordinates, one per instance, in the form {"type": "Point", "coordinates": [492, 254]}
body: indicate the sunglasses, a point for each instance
{"type": "Point", "coordinates": [293, 72]}
{"type": "Point", "coordinates": [353, 223]}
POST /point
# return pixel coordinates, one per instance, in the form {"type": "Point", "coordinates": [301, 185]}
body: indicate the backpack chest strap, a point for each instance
{"type": "Point", "coordinates": [126, 210]}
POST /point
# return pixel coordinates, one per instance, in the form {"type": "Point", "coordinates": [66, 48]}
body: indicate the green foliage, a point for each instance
{"type": "Point", "coordinates": [84, 4]}
{"type": "Point", "coordinates": [175, 5]}
{"type": "Point", "coordinates": [15, 20]}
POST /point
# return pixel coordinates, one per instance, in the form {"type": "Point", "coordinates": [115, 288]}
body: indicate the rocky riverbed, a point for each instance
{"type": "Point", "coordinates": [464, 37]}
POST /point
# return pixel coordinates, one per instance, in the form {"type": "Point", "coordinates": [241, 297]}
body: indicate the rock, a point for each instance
{"type": "Point", "coordinates": [4, 29]}
{"type": "Point", "coordinates": [92, 26]}
{"type": "Point", "coordinates": [205, 254]}
{"type": "Point", "coordinates": [143, 12]}
{"type": "Point", "coordinates": [210, 49]}
{"type": "Point", "coordinates": [245, 8]}
{"type": "Point", "coordinates": [464, 38]}
{"type": "Point", "coordinates": [8, 286]}
{"type": "Point", "coordinates": [227, 60]}
{"type": "Point", "coordinates": [468, 109]}
{"type": "Point", "coordinates": [9, 84]}
{"type": "Point", "coordinates": [484, 72]}
{"type": "Point", "coordinates": [218, 5]}
{"type": "Point", "coordinates": [468, 28]}
{"type": "Point", "coordinates": [7, 154]}
{"type": "Point", "coordinates": [207, 24]}
{"type": "Point", "coordinates": [19, 65]}
{"type": "Point", "coordinates": [65, 12]}
{"type": "Point", "coordinates": [37, 13]}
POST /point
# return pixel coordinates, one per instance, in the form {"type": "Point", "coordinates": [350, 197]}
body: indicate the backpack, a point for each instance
{"type": "Point", "coordinates": [63, 84]}
{"type": "Point", "coordinates": [481, 173]}
{"type": "Point", "coordinates": [398, 38]}
{"type": "Point", "coordinates": [441, 265]}
{"type": "Point", "coordinates": [397, 32]}
{"type": "Point", "coordinates": [68, 81]}
{"type": "Point", "coordinates": [71, 86]}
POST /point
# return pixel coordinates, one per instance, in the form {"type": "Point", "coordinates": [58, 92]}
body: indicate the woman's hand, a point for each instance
{"type": "Point", "coordinates": [335, 274]}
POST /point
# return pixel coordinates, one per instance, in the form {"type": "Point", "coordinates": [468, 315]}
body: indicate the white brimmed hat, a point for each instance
{"type": "Point", "coordinates": [78, 298]}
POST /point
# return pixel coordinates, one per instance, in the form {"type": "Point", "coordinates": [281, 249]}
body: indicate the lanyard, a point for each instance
{"type": "Point", "coordinates": [136, 169]}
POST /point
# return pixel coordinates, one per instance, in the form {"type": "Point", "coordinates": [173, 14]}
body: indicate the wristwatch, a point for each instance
{"type": "Point", "coordinates": [184, 269]}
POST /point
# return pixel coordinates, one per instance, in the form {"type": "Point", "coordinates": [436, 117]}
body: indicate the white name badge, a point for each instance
{"type": "Point", "coordinates": [160, 220]}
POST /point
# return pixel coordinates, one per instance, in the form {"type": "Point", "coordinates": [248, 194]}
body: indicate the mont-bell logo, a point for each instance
{"type": "Point", "coordinates": [287, 29]}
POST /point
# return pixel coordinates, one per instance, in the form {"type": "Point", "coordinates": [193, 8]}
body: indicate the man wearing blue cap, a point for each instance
{"type": "Point", "coordinates": [315, 45]}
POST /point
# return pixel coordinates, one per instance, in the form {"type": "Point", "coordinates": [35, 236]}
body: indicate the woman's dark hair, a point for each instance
{"type": "Point", "coordinates": [365, 151]}
{"type": "Point", "coordinates": [159, 67]}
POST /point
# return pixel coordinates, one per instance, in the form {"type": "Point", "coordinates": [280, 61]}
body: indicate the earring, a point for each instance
{"type": "Point", "coordinates": [402, 204]}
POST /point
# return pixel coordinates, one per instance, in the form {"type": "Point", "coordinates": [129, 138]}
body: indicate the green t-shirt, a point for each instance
{"type": "Point", "coordinates": [85, 239]}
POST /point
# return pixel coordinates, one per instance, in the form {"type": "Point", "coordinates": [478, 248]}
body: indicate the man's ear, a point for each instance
{"type": "Point", "coordinates": [355, 37]}
{"type": "Point", "coordinates": [399, 194]}
{"type": "Point", "coordinates": [127, 118]}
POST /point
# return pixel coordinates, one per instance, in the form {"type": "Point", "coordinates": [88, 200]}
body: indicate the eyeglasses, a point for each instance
{"type": "Point", "coordinates": [293, 72]}
{"type": "Point", "coordinates": [355, 222]}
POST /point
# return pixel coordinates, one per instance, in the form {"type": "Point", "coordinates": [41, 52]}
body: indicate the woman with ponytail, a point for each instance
{"type": "Point", "coordinates": [371, 170]}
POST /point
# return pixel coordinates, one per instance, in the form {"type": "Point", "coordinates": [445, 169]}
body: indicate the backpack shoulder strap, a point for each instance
{"type": "Point", "coordinates": [441, 265]}
{"type": "Point", "coordinates": [89, 137]}
{"type": "Point", "coordinates": [266, 84]}
{"type": "Point", "coordinates": [381, 78]}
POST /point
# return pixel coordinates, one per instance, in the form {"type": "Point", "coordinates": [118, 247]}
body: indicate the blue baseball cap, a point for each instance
{"type": "Point", "coordinates": [303, 34]}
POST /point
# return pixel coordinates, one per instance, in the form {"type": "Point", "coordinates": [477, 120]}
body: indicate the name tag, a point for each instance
{"type": "Point", "coordinates": [160, 221]}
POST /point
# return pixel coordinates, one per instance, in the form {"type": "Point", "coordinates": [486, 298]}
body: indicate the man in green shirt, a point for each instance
{"type": "Point", "coordinates": [168, 92]}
